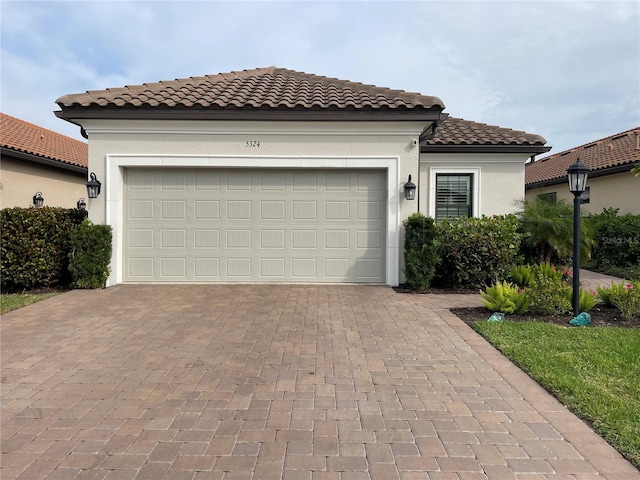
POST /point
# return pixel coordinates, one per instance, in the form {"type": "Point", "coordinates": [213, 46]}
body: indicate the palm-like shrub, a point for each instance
{"type": "Point", "coordinates": [548, 229]}
{"type": "Point", "coordinates": [522, 275]}
{"type": "Point", "coordinates": [506, 298]}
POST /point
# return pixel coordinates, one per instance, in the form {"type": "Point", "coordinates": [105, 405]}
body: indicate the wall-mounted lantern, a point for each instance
{"type": "Point", "coordinates": [410, 190]}
{"type": "Point", "coordinates": [38, 200]}
{"type": "Point", "coordinates": [93, 186]}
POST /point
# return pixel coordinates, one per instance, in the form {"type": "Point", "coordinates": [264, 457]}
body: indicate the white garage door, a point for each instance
{"type": "Point", "coordinates": [235, 225]}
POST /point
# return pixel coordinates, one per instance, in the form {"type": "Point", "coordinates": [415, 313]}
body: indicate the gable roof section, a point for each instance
{"type": "Point", "coordinates": [33, 143]}
{"type": "Point", "coordinates": [459, 135]}
{"type": "Point", "coordinates": [613, 154]}
{"type": "Point", "coordinates": [250, 94]}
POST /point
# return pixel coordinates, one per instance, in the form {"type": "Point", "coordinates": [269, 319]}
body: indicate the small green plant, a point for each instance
{"type": "Point", "coordinates": [522, 275]}
{"type": "Point", "coordinates": [547, 270]}
{"type": "Point", "coordinates": [505, 298]}
{"type": "Point", "coordinates": [607, 294]}
{"type": "Point", "coordinates": [549, 294]}
{"type": "Point", "coordinates": [628, 300]}
{"type": "Point", "coordinates": [586, 300]}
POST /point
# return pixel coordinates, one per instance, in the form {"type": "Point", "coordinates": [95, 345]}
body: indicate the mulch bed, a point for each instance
{"type": "Point", "coordinates": [601, 315]}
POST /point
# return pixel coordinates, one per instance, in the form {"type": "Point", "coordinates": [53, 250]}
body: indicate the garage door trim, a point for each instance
{"type": "Point", "coordinates": [114, 191]}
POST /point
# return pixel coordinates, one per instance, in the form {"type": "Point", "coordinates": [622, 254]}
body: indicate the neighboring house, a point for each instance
{"type": "Point", "coordinates": [34, 159]}
{"type": "Point", "coordinates": [273, 175]}
{"type": "Point", "coordinates": [610, 182]}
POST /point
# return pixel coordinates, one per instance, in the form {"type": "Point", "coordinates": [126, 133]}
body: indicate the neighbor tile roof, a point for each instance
{"type": "Point", "coordinates": [457, 131]}
{"type": "Point", "coordinates": [25, 137]}
{"type": "Point", "coordinates": [259, 88]}
{"type": "Point", "coordinates": [616, 150]}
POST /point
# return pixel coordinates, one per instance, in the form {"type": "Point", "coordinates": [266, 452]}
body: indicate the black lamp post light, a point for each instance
{"type": "Point", "coordinates": [410, 190]}
{"type": "Point", "coordinates": [38, 200]}
{"type": "Point", "coordinates": [81, 204]}
{"type": "Point", "coordinates": [93, 186]}
{"type": "Point", "coordinates": [577, 175]}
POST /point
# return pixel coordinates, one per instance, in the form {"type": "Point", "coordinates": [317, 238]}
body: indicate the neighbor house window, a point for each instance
{"type": "Point", "coordinates": [454, 196]}
{"type": "Point", "coordinates": [549, 197]}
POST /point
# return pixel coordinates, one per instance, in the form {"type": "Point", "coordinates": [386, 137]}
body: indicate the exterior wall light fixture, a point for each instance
{"type": "Point", "coordinates": [93, 186]}
{"type": "Point", "coordinates": [410, 190]}
{"type": "Point", "coordinates": [38, 200]}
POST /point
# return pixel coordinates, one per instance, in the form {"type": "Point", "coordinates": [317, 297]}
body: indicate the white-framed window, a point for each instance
{"type": "Point", "coordinates": [454, 193]}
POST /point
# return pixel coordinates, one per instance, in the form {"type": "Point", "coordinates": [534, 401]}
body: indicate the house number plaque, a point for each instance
{"type": "Point", "coordinates": [252, 143]}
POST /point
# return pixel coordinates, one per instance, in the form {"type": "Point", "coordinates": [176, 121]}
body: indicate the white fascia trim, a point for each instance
{"type": "Point", "coordinates": [433, 171]}
{"type": "Point", "coordinates": [114, 191]}
{"type": "Point", "coordinates": [219, 127]}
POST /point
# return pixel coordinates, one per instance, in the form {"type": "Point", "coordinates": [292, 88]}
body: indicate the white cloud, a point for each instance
{"type": "Point", "coordinates": [569, 71]}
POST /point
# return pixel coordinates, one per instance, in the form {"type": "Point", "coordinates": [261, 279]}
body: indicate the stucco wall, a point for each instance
{"type": "Point", "coordinates": [499, 180]}
{"type": "Point", "coordinates": [386, 145]}
{"type": "Point", "coordinates": [620, 190]}
{"type": "Point", "coordinates": [21, 180]}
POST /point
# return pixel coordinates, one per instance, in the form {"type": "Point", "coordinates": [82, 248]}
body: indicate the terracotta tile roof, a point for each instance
{"type": "Point", "coordinates": [260, 88]}
{"type": "Point", "coordinates": [25, 137]}
{"type": "Point", "coordinates": [457, 131]}
{"type": "Point", "coordinates": [609, 152]}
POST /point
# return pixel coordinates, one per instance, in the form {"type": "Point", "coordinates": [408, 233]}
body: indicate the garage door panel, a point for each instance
{"type": "Point", "coordinates": [209, 225]}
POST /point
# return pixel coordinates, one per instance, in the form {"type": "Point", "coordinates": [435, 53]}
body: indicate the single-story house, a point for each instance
{"type": "Point", "coordinates": [36, 160]}
{"type": "Point", "coordinates": [274, 175]}
{"type": "Point", "coordinates": [610, 182]}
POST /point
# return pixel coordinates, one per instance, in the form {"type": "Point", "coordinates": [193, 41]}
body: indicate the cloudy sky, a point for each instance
{"type": "Point", "coordinates": [567, 70]}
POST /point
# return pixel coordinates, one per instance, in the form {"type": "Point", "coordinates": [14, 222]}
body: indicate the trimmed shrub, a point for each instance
{"type": "Point", "coordinates": [35, 246]}
{"type": "Point", "coordinates": [617, 239]}
{"type": "Point", "coordinates": [506, 298]}
{"type": "Point", "coordinates": [420, 250]}
{"type": "Point", "coordinates": [549, 294]}
{"type": "Point", "coordinates": [476, 252]}
{"type": "Point", "coordinates": [625, 297]}
{"type": "Point", "coordinates": [90, 255]}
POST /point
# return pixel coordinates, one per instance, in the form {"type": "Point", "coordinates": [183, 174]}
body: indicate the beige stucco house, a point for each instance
{"type": "Point", "coordinates": [610, 183]}
{"type": "Point", "coordinates": [273, 175]}
{"type": "Point", "coordinates": [34, 159]}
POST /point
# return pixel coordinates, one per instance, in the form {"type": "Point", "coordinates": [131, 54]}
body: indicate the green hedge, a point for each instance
{"type": "Point", "coordinates": [476, 252]}
{"type": "Point", "coordinates": [90, 255]}
{"type": "Point", "coordinates": [420, 250]}
{"type": "Point", "coordinates": [35, 247]}
{"type": "Point", "coordinates": [617, 239]}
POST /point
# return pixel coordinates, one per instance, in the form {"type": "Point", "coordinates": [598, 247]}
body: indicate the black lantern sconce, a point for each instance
{"type": "Point", "coordinates": [81, 205]}
{"type": "Point", "coordinates": [38, 200]}
{"type": "Point", "coordinates": [410, 190]}
{"type": "Point", "coordinates": [93, 186]}
{"type": "Point", "coordinates": [577, 175]}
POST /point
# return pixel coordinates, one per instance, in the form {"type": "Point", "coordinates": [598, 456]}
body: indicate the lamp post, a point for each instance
{"type": "Point", "coordinates": [577, 175]}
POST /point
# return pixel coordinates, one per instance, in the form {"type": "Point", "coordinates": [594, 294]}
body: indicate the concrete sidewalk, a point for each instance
{"type": "Point", "coordinates": [591, 280]}
{"type": "Point", "coordinates": [275, 382]}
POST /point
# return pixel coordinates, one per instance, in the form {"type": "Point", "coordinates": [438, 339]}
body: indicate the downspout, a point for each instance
{"type": "Point", "coordinates": [427, 134]}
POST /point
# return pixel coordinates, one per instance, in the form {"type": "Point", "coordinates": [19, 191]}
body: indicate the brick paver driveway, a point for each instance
{"type": "Point", "coordinates": [275, 382]}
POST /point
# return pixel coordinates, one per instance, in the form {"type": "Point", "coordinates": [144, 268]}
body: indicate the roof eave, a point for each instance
{"type": "Point", "coordinates": [592, 174]}
{"type": "Point", "coordinates": [493, 148]}
{"type": "Point", "coordinates": [75, 115]}
{"type": "Point", "coordinates": [50, 162]}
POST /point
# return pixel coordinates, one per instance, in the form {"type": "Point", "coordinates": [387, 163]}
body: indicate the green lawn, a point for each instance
{"type": "Point", "coordinates": [13, 301]}
{"type": "Point", "coordinates": [594, 371]}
